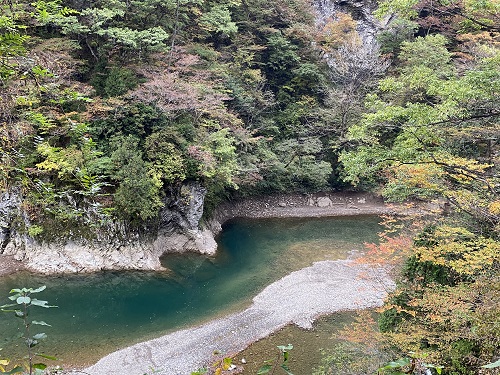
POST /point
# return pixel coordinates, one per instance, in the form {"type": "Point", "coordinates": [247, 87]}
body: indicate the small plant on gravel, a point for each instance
{"type": "Point", "coordinates": [271, 365]}
{"type": "Point", "coordinates": [21, 307]}
{"type": "Point", "coordinates": [218, 367]}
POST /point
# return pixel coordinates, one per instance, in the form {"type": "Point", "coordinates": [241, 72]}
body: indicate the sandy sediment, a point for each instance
{"type": "Point", "coordinates": [323, 288]}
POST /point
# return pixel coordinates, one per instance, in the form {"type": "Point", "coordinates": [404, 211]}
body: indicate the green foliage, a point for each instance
{"type": "Point", "coordinates": [405, 138]}
{"type": "Point", "coordinates": [12, 44]}
{"type": "Point", "coordinates": [167, 160]}
{"type": "Point", "coordinates": [138, 120]}
{"type": "Point", "coordinates": [408, 365]}
{"type": "Point", "coordinates": [137, 196]}
{"type": "Point", "coordinates": [35, 230]}
{"type": "Point", "coordinates": [218, 20]}
{"type": "Point", "coordinates": [399, 31]}
{"type": "Point", "coordinates": [114, 82]}
{"type": "Point", "coordinates": [21, 308]}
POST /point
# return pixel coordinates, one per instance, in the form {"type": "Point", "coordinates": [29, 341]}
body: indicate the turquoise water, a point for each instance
{"type": "Point", "coordinates": [101, 312]}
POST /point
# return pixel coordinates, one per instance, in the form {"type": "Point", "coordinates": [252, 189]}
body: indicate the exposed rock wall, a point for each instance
{"type": "Point", "coordinates": [360, 10]}
{"type": "Point", "coordinates": [10, 202]}
{"type": "Point", "coordinates": [179, 227]}
{"type": "Point", "coordinates": [177, 230]}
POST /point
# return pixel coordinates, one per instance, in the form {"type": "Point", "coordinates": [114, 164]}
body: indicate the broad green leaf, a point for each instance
{"type": "Point", "coordinates": [23, 300]}
{"type": "Point", "coordinates": [15, 370]}
{"type": "Point", "coordinates": [492, 365]}
{"type": "Point", "coordinates": [37, 302]}
{"type": "Point", "coordinates": [40, 366]}
{"type": "Point", "coordinates": [52, 358]}
{"type": "Point", "coordinates": [264, 369]}
{"type": "Point", "coordinates": [401, 362]}
{"type": "Point", "coordinates": [287, 370]}
{"type": "Point", "coordinates": [8, 305]}
{"type": "Point", "coordinates": [37, 290]}
{"type": "Point", "coordinates": [438, 369]}
{"type": "Point", "coordinates": [226, 363]}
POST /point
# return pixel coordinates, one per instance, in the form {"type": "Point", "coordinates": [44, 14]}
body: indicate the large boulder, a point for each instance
{"type": "Point", "coordinates": [179, 226]}
{"type": "Point", "coordinates": [183, 207]}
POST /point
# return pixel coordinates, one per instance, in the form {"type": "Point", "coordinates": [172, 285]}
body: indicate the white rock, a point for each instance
{"type": "Point", "coordinates": [324, 202]}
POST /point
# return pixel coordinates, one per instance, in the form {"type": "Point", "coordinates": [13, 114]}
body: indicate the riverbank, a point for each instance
{"type": "Point", "coordinates": [299, 298]}
{"type": "Point", "coordinates": [303, 205]}
{"type": "Point", "coordinates": [9, 265]}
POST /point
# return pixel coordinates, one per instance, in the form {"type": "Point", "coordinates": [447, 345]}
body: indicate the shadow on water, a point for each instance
{"type": "Point", "coordinates": [101, 312]}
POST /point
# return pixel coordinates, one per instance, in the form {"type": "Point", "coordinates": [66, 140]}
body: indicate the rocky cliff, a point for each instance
{"type": "Point", "coordinates": [177, 230]}
{"type": "Point", "coordinates": [360, 10]}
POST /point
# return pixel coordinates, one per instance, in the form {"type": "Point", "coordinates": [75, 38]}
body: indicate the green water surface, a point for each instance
{"type": "Point", "coordinates": [102, 312]}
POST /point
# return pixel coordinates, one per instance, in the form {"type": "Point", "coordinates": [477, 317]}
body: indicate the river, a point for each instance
{"type": "Point", "coordinates": [102, 312]}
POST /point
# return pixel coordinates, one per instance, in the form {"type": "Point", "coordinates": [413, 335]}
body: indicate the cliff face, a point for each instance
{"type": "Point", "coordinates": [10, 203]}
{"type": "Point", "coordinates": [360, 10]}
{"type": "Point", "coordinates": [177, 230]}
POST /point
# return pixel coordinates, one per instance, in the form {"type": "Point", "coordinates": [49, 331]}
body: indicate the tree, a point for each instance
{"type": "Point", "coordinates": [137, 196]}
{"type": "Point", "coordinates": [22, 306]}
{"type": "Point", "coordinates": [409, 140]}
{"type": "Point", "coordinates": [430, 134]}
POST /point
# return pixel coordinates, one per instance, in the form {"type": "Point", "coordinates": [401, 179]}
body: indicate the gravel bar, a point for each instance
{"type": "Point", "coordinates": [299, 298]}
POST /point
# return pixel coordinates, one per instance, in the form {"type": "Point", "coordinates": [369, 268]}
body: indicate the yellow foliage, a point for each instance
{"type": "Point", "coordinates": [63, 160]}
{"type": "Point", "coordinates": [494, 207]}
{"type": "Point", "coordinates": [339, 31]}
{"type": "Point", "coordinates": [424, 176]}
{"type": "Point", "coordinates": [460, 250]}
{"type": "Point", "coordinates": [3, 362]}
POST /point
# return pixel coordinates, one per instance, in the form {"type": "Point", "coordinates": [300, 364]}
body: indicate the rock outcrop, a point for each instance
{"type": "Point", "coordinates": [9, 205]}
{"type": "Point", "coordinates": [179, 226]}
{"type": "Point", "coordinates": [177, 230]}
{"type": "Point", "coordinates": [360, 10]}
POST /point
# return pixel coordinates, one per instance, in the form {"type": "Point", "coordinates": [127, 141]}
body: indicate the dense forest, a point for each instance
{"type": "Point", "coordinates": [108, 106]}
